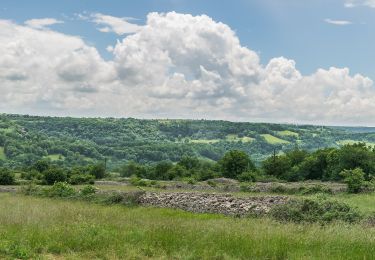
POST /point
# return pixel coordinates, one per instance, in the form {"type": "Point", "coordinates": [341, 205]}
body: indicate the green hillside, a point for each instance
{"type": "Point", "coordinates": [79, 141]}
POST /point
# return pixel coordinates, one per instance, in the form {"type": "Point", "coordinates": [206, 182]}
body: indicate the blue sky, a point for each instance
{"type": "Point", "coordinates": [291, 28]}
{"type": "Point", "coordinates": [287, 61]}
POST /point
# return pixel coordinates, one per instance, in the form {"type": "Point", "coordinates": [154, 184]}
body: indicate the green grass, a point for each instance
{"type": "Point", "coordinates": [50, 229]}
{"type": "Point", "coordinates": [205, 141]}
{"type": "Point", "coordinates": [236, 138]}
{"type": "Point", "coordinates": [7, 130]}
{"type": "Point", "coordinates": [273, 139]}
{"type": "Point", "coordinates": [55, 157]}
{"type": "Point", "coordinates": [2, 154]}
{"type": "Point", "coordinates": [288, 133]}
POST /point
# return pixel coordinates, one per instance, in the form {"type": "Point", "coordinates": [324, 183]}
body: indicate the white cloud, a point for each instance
{"type": "Point", "coordinates": [113, 24]}
{"type": "Point", "coordinates": [177, 65]}
{"type": "Point", "coordinates": [337, 22]}
{"type": "Point", "coordinates": [42, 23]}
{"type": "Point", "coordinates": [355, 3]}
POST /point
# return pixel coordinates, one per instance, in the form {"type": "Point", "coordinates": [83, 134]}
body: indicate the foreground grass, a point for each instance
{"type": "Point", "coordinates": [49, 229]}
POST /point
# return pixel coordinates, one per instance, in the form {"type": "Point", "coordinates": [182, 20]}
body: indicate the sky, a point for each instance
{"type": "Point", "coordinates": [286, 61]}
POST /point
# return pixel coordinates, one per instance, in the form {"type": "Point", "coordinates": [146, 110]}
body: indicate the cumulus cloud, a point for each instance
{"type": "Point", "coordinates": [354, 3]}
{"type": "Point", "coordinates": [176, 65]}
{"type": "Point", "coordinates": [113, 24]}
{"type": "Point", "coordinates": [337, 22]}
{"type": "Point", "coordinates": [42, 23]}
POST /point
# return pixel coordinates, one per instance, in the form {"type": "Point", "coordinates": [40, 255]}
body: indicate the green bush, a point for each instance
{"type": "Point", "coordinates": [88, 190]}
{"type": "Point", "coordinates": [77, 179]}
{"type": "Point", "coordinates": [60, 189]}
{"type": "Point", "coordinates": [30, 189]}
{"type": "Point", "coordinates": [6, 177]}
{"type": "Point", "coordinates": [355, 179]}
{"type": "Point", "coordinates": [128, 198]}
{"type": "Point", "coordinates": [315, 210]}
{"type": "Point", "coordinates": [248, 176]}
{"type": "Point", "coordinates": [53, 175]}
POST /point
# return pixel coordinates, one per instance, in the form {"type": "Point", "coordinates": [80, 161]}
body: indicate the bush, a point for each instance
{"type": "Point", "coordinates": [129, 198]}
{"type": "Point", "coordinates": [355, 179]}
{"type": "Point", "coordinates": [318, 210]}
{"type": "Point", "coordinates": [6, 177]}
{"type": "Point", "coordinates": [248, 176]}
{"type": "Point", "coordinates": [77, 179]}
{"type": "Point", "coordinates": [60, 189]}
{"type": "Point", "coordinates": [53, 175]}
{"type": "Point", "coordinates": [30, 189]}
{"type": "Point", "coordinates": [88, 190]}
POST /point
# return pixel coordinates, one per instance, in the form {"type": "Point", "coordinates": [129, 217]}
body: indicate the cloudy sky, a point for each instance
{"type": "Point", "coordinates": [242, 60]}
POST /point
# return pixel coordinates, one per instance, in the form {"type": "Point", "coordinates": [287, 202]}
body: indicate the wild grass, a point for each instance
{"type": "Point", "coordinates": [53, 229]}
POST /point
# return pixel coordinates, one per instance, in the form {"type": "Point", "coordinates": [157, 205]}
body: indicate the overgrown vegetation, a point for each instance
{"type": "Point", "coordinates": [78, 230]}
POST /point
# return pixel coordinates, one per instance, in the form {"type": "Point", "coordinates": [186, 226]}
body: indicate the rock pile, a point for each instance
{"type": "Point", "coordinates": [212, 203]}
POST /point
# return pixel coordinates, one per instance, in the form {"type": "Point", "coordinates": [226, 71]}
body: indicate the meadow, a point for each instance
{"type": "Point", "coordinates": [42, 228]}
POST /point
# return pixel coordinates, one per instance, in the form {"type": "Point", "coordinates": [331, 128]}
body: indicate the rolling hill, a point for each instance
{"type": "Point", "coordinates": [79, 141]}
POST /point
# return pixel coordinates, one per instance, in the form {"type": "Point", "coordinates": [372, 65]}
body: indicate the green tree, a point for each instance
{"type": "Point", "coordinates": [6, 177]}
{"type": "Point", "coordinates": [234, 163]}
{"type": "Point", "coordinates": [354, 179]}
{"type": "Point", "coordinates": [277, 165]}
{"type": "Point", "coordinates": [97, 170]}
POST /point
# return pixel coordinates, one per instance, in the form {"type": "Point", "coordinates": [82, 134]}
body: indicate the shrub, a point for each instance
{"type": "Point", "coordinates": [6, 177]}
{"type": "Point", "coordinates": [30, 189]}
{"type": "Point", "coordinates": [88, 190]}
{"type": "Point", "coordinates": [355, 179]}
{"type": "Point", "coordinates": [53, 175]}
{"type": "Point", "coordinates": [60, 189]}
{"type": "Point", "coordinates": [315, 210]}
{"type": "Point", "coordinates": [128, 198]}
{"type": "Point", "coordinates": [248, 176]}
{"type": "Point", "coordinates": [136, 181]}
{"type": "Point", "coordinates": [81, 179]}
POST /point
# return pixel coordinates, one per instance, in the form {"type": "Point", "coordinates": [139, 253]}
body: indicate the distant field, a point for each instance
{"type": "Point", "coordinates": [58, 229]}
{"type": "Point", "coordinates": [236, 138]}
{"type": "Point", "coordinates": [205, 141]}
{"type": "Point", "coordinates": [55, 157]}
{"type": "Point", "coordinates": [2, 154]}
{"type": "Point", "coordinates": [273, 139]}
{"type": "Point", "coordinates": [288, 133]}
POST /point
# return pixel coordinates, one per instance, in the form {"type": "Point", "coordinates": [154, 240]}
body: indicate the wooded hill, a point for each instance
{"type": "Point", "coordinates": [81, 141]}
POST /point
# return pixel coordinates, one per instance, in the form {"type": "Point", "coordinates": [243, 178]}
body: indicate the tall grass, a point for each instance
{"type": "Point", "coordinates": [48, 229]}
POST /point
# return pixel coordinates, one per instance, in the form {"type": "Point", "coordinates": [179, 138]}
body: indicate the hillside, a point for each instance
{"type": "Point", "coordinates": [79, 141]}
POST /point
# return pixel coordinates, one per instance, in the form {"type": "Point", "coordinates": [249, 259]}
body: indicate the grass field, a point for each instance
{"type": "Point", "coordinates": [56, 229]}
{"type": "Point", "coordinates": [273, 139]}
{"type": "Point", "coordinates": [2, 154]}
{"type": "Point", "coordinates": [288, 133]}
{"type": "Point", "coordinates": [55, 157]}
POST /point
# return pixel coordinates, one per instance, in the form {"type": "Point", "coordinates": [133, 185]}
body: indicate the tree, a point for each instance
{"type": "Point", "coordinates": [189, 162]}
{"type": "Point", "coordinates": [6, 177]}
{"type": "Point", "coordinates": [98, 170]}
{"type": "Point", "coordinates": [234, 163]}
{"type": "Point", "coordinates": [354, 179]}
{"type": "Point", "coordinates": [133, 168]}
{"type": "Point", "coordinates": [161, 170]}
{"type": "Point", "coordinates": [277, 165]}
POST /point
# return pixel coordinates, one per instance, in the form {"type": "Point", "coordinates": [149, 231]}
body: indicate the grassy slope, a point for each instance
{"type": "Point", "coordinates": [53, 228]}
{"type": "Point", "coordinates": [2, 154]}
{"type": "Point", "coordinates": [273, 139]}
